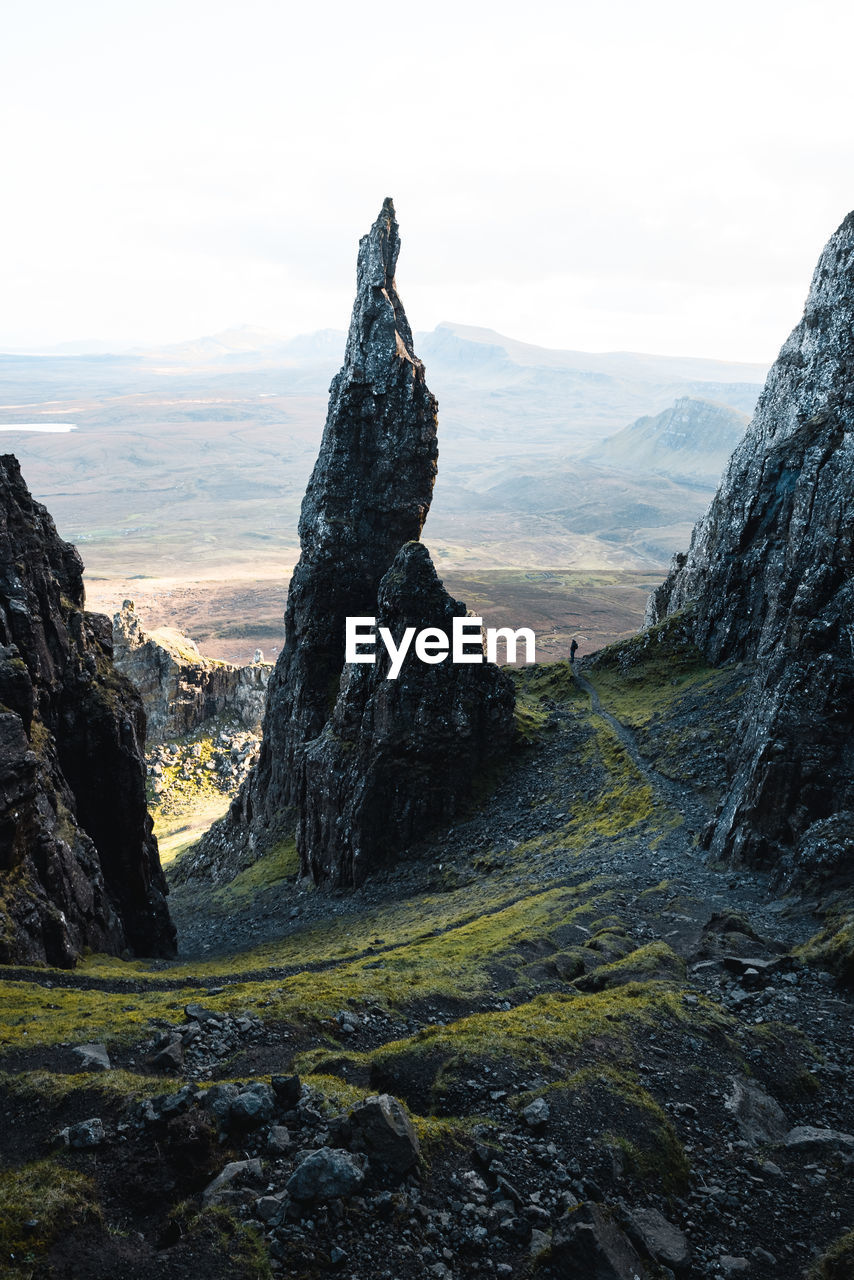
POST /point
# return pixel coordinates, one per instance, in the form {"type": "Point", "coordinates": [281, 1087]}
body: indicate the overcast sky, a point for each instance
{"type": "Point", "coordinates": [649, 176]}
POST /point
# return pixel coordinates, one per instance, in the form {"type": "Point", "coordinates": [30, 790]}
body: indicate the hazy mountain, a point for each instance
{"type": "Point", "coordinates": [193, 457]}
{"type": "Point", "coordinates": [691, 441]}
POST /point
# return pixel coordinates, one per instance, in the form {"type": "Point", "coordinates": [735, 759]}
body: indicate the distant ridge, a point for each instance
{"type": "Point", "coordinates": [690, 441]}
{"type": "Point", "coordinates": [449, 340]}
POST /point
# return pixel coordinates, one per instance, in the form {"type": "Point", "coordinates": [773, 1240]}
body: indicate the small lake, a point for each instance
{"type": "Point", "coordinates": [38, 426]}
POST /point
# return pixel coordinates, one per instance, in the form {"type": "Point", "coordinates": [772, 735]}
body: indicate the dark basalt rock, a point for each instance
{"type": "Point", "coordinates": [413, 750]}
{"type": "Point", "coordinates": [770, 578]}
{"type": "Point", "coordinates": [399, 756]}
{"type": "Point", "coordinates": [368, 494]}
{"type": "Point", "coordinates": [79, 865]}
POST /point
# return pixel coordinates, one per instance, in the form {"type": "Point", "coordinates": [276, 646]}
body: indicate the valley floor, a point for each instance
{"type": "Point", "coordinates": [574, 1008]}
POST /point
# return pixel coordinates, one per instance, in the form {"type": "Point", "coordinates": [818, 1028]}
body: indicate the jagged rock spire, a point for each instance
{"type": "Point", "coordinates": [362, 767]}
{"type": "Point", "coordinates": [769, 578]}
{"type": "Point", "coordinates": [379, 329]}
{"type": "Point", "coordinates": [369, 494]}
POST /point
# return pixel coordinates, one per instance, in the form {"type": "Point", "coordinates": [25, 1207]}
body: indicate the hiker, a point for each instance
{"type": "Point", "coordinates": [572, 649]}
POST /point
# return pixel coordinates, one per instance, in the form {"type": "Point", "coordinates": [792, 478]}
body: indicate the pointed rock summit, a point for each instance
{"type": "Point", "coordinates": [368, 494]}
{"type": "Point", "coordinates": [367, 498]}
{"type": "Point", "coordinates": [769, 577]}
{"type": "Point", "coordinates": [79, 865]}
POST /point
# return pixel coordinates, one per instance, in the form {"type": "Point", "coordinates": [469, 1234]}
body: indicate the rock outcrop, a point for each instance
{"type": "Point", "coordinates": [367, 498]}
{"type": "Point", "coordinates": [180, 689]}
{"type": "Point", "coordinates": [79, 865]}
{"type": "Point", "coordinates": [397, 756]}
{"type": "Point", "coordinates": [769, 577]}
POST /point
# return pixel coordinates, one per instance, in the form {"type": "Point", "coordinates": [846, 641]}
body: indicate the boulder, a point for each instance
{"type": "Point", "coordinates": [758, 1116]}
{"type": "Point", "coordinates": [326, 1174]}
{"type": "Point", "coordinates": [84, 1134]}
{"type": "Point", "coordinates": [659, 1239]}
{"type": "Point", "coordinates": [806, 1137]}
{"type": "Point", "coordinates": [589, 1244]}
{"type": "Point", "coordinates": [382, 1129]}
{"type": "Point", "coordinates": [253, 1106]}
{"type": "Point", "coordinates": [536, 1114]}
{"type": "Point", "coordinates": [237, 1171]}
{"type": "Point", "coordinates": [93, 1057]}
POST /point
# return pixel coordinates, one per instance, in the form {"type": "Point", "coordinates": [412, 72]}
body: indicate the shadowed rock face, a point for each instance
{"type": "Point", "coordinates": [399, 756]}
{"type": "Point", "coordinates": [770, 575]}
{"type": "Point", "coordinates": [78, 862]}
{"type": "Point", "coordinates": [368, 494]}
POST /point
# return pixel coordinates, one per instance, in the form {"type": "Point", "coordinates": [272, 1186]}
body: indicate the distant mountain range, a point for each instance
{"type": "Point", "coordinates": [192, 458]}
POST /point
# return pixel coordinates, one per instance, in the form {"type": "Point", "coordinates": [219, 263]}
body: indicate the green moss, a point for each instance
{"type": "Point", "coordinates": [276, 865]}
{"type": "Point", "coordinates": [537, 685]}
{"type": "Point", "coordinates": [653, 962]}
{"type": "Point", "coordinates": [216, 1226]}
{"type": "Point", "coordinates": [625, 800]}
{"type": "Point", "coordinates": [833, 947]}
{"type": "Point", "coordinates": [636, 1125]}
{"type": "Point", "coordinates": [48, 1195]}
{"type": "Point", "coordinates": [838, 1262]}
{"type": "Point", "coordinates": [32, 1015]}
{"type": "Point", "coordinates": [53, 1088]}
{"type": "Point", "coordinates": [551, 1031]}
{"type": "Point", "coordinates": [642, 677]}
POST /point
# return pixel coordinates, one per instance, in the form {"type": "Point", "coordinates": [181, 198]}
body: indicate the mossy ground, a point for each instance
{"type": "Point", "coordinates": [838, 1262]}
{"type": "Point", "coordinates": [37, 1201]}
{"type": "Point", "coordinates": [526, 954]}
{"type": "Point", "coordinates": [833, 946]}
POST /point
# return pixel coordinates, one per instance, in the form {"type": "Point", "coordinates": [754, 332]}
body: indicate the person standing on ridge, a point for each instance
{"type": "Point", "coordinates": [572, 649]}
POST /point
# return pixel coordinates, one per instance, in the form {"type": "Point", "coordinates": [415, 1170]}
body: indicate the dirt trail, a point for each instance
{"type": "Point", "coordinates": [681, 797]}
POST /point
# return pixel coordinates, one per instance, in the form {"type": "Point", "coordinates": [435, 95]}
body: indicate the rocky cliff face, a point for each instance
{"type": "Point", "coordinates": [78, 860]}
{"type": "Point", "coordinates": [368, 496]}
{"type": "Point", "coordinates": [770, 577]}
{"type": "Point", "coordinates": [398, 756]}
{"type": "Point", "coordinates": [180, 689]}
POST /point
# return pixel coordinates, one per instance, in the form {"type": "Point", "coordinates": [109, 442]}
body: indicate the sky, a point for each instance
{"type": "Point", "coordinates": [647, 176]}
